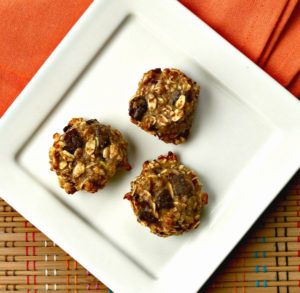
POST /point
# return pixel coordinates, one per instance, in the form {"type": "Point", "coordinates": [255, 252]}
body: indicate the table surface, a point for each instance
{"type": "Point", "coordinates": [266, 260]}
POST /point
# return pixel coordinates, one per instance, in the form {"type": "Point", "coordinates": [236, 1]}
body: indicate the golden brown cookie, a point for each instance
{"type": "Point", "coordinates": [87, 155]}
{"type": "Point", "coordinates": [164, 104]}
{"type": "Point", "coordinates": [167, 197]}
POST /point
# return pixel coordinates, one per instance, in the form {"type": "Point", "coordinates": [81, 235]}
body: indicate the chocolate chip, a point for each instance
{"type": "Point", "coordinates": [69, 149]}
{"type": "Point", "coordinates": [153, 128]}
{"type": "Point", "coordinates": [138, 107]}
{"type": "Point", "coordinates": [157, 70]}
{"type": "Point", "coordinates": [145, 213]}
{"type": "Point", "coordinates": [104, 141]}
{"type": "Point", "coordinates": [136, 197]}
{"type": "Point", "coordinates": [175, 96]}
{"type": "Point", "coordinates": [102, 132]}
{"type": "Point", "coordinates": [66, 128]}
{"type": "Point", "coordinates": [147, 217]}
{"type": "Point", "coordinates": [185, 133]}
{"type": "Point", "coordinates": [73, 141]}
{"type": "Point", "coordinates": [143, 204]}
{"type": "Point", "coordinates": [188, 96]}
{"type": "Point", "coordinates": [180, 185]}
{"type": "Point", "coordinates": [164, 200]}
{"type": "Point", "coordinates": [91, 121]}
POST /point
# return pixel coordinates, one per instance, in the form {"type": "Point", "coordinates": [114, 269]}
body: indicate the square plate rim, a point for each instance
{"type": "Point", "coordinates": [282, 98]}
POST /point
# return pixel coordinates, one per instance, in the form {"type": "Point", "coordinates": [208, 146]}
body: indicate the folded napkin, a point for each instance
{"type": "Point", "coordinates": [267, 31]}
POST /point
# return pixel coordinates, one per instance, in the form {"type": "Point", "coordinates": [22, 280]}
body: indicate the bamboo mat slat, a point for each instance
{"type": "Point", "coordinates": [267, 260]}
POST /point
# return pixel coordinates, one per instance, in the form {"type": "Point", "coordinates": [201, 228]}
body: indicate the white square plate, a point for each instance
{"type": "Point", "coordinates": [245, 143]}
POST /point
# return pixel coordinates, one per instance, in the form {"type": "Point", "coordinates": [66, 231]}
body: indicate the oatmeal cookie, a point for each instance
{"type": "Point", "coordinates": [167, 197]}
{"type": "Point", "coordinates": [164, 104]}
{"type": "Point", "coordinates": [87, 155]}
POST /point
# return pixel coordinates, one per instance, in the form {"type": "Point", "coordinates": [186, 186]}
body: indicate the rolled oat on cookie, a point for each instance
{"type": "Point", "coordinates": [164, 104]}
{"type": "Point", "coordinates": [167, 196]}
{"type": "Point", "coordinates": [87, 155]}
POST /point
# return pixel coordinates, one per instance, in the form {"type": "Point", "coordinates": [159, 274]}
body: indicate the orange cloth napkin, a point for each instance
{"type": "Point", "coordinates": [267, 31]}
{"type": "Point", "coordinates": [29, 31]}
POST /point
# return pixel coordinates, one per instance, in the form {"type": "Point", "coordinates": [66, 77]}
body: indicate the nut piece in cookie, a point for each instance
{"type": "Point", "coordinates": [167, 197]}
{"type": "Point", "coordinates": [87, 155]}
{"type": "Point", "coordinates": [164, 104]}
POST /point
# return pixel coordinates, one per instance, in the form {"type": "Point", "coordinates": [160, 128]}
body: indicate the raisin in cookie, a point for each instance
{"type": "Point", "coordinates": [167, 197]}
{"type": "Point", "coordinates": [87, 155]}
{"type": "Point", "coordinates": [164, 104]}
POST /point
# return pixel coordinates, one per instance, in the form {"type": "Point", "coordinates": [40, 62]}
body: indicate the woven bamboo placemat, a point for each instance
{"type": "Point", "coordinates": [267, 260]}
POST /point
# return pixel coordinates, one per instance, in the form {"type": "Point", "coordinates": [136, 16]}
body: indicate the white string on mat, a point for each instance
{"type": "Point", "coordinates": [46, 269]}
{"type": "Point", "coordinates": [54, 270]}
